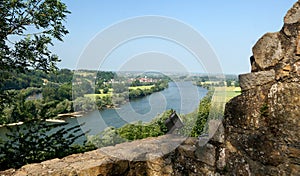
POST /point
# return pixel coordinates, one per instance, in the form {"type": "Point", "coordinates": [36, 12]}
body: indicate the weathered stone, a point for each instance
{"type": "Point", "coordinates": [221, 161]}
{"type": "Point", "coordinates": [206, 154]}
{"type": "Point", "coordinates": [190, 141]}
{"type": "Point", "coordinates": [216, 131]}
{"type": "Point", "coordinates": [187, 150]}
{"type": "Point", "coordinates": [252, 80]}
{"type": "Point", "coordinates": [262, 124]}
{"type": "Point", "coordinates": [202, 140]}
{"type": "Point", "coordinates": [293, 15]}
{"type": "Point", "coordinates": [267, 52]}
{"type": "Point", "coordinates": [298, 45]}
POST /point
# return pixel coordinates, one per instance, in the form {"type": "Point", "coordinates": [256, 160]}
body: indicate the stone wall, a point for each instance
{"type": "Point", "coordinates": [164, 155]}
{"type": "Point", "coordinates": [261, 127]}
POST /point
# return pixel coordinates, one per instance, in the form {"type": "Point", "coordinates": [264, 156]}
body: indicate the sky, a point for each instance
{"type": "Point", "coordinates": [228, 28]}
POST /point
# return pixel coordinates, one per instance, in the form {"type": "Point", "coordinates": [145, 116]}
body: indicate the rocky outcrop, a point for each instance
{"type": "Point", "coordinates": [262, 125]}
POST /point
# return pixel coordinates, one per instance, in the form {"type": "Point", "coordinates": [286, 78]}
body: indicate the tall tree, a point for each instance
{"type": "Point", "coordinates": [27, 28]}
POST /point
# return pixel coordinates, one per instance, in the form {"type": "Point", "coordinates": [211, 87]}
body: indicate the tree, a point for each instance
{"type": "Point", "coordinates": [228, 83]}
{"type": "Point", "coordinates": [82, 88]}
{"type": "Point", "coordinates": [119, 88]}
{"type": "Point", "coordinates": [65, 92]}
{"type": "Point", "coordinates": [26, 30]}
{"type": "Point", "coordinates": [202, 116]}
{"type": "Point", "coordinates": [105, 90]}
{"type": "Point", "coordinates": [236, 84]}
{"type": "Point", "coordinates": [49, 92]}
{"type": "Point", "coordinates": [35, 144]}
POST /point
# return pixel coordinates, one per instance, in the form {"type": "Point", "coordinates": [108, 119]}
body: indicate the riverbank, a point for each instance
{"type": "Point", "coordinates": [71, 114]}
{"type": "Point", "coordinates": [47, 120]}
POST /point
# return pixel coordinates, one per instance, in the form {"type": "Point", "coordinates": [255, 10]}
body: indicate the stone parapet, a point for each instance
{"type": "Point", "coordinates": [252, 80]}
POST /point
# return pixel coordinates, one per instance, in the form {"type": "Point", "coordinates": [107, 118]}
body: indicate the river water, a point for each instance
{"type": "Point", "coordinates": [183, 97]}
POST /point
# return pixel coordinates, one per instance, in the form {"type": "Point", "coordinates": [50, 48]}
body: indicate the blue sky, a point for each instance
{"type": "Point", "coordinates": [230, 27]}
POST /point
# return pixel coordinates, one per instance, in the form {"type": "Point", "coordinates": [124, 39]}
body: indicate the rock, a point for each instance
{"type": "Point", "coordinates": [267, 52]}
{"type": "Point", "coordinates": [206, 154]}
{"type": "Point", "coordinates": [293, 15]}
{"type": "Point", "coordinates": [216, 131]}
{"type": "Point", "coordinates": [252, 80]}
{"type": "Point", "coordinates": [298, 45]}
{"type": "Point", "coordinates": [221, 161]}
{"type": "Point", "coordinates": [187, 150]}
{"type": "Point", "coordinates": [262, 125]}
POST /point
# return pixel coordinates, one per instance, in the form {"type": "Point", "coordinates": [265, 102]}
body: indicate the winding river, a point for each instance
{"type": "Point", "coordinates": [183, 97]}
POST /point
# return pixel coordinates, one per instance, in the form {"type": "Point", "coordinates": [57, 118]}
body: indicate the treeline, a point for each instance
{"type": "Point", "coordinates": [40, 95]}
{"type": "Point", "coordinates": [208, 84]}
{"type": "Point", "coordinates": [194, 127]}
{"type": "Point", "coordinates": [50, 95]}
{"type": "Point", "coordinates": [37, 78]}
{"type": "Point", "coordinates": [42, 108]}
{"type": "Point", "coordinates": [137, 93]}
{"type": "Point", "coordinates": [121, 94]}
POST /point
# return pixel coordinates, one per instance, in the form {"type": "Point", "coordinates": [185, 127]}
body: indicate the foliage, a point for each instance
{"type": "Point", "coordinates": [105, 90]}
{"type": "Point", "coordinates": [141, 130]}
{"type": "Point", "coordinates": [107, 137]}
{"type": "Point", "coordinates": [35, 141]}
{"type": "Point", "coordinates": [102, 77]}
{"type": "Point", "coordinates": [54, 91]}
{"type": "Point", "coordinates": [138, 130]}
{"type": "Point", "coordinates": [119, 87]}
{"type": "Point", "coordinates": [120, 95]}
{"type": "Point", "coordinates": [81, 88]}
{"type": "Point", "coordinates": [196, 126]}
{"type": "Point", "coordinates": [85, 104]}
{"type": "Point", "coordinates": [202, 116]}
{"type": "Point", "coordinates": [36, 78]}
{"type": "Point", "coordinates": [21, 49]}
{"type": "Point", "coordinates": [25, 109]}
{"type": "Point", "coordinates": [138, 92]}
{"type": "Point", "coordinates": [26, 31]}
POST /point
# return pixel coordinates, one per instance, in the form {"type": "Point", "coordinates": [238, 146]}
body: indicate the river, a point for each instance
{"type": "Point", "coordinates": [183, 97]}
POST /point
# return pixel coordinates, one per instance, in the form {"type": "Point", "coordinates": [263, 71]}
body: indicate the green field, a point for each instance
{"type": "Point", "coordinates": [110, 92]}
{"type": "Point", "coordinates": [99, 95]}
{"type": "Point", "coordinates": [211, 82]}
{"type": "Point", "coordinates": [141, 87]}
{"type": "Point", "coordinates": [227, 92]}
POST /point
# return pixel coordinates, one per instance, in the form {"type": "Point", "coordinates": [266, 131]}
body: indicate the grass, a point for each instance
{"type": "Point", "coordinates": [110, 92]}
{"type": "Point", "coordinates": [227, 92]}
{"type": "Point", "coordinates": [211, 82]}
{"type": "Point", "coordinates": [220, 92]}
{"type": "Point", "coordinates": [95, 95]}
{"type": "Point", "coordinates": [141, 87]}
